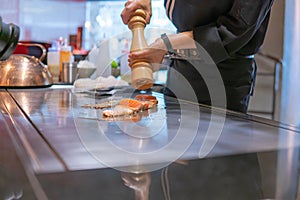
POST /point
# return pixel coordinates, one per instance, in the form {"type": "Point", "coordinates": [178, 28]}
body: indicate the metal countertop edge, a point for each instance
{"type": "Point", "coordinates": [22, 152]}
{"type": "Point", "coordinates": [58, 157]}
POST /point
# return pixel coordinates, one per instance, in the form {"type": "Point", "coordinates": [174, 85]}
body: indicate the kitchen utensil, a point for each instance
{"type": "Point", "coordinates": [21, 70]}
{"type": "Point", "coordinates": [141, 71]}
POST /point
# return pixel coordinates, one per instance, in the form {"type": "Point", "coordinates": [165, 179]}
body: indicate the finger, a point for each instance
{"type": "Point", "coordinates": [124, 17]}
{"type": "Point", "coordinates": [127, 11]}
{"type": "Point", "coordinates": [155, 66]}
{"type": "Point", "coordinates": [130, 62]}
{"type": "Point", "coordinates": [148, 17]}
{"type": "Point", "coordinates": [126, 14]}
{"type": "Point", "coordinates": [134, 55]}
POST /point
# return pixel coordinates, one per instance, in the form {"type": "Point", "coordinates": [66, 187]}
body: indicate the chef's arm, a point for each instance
{"type": "Point", "coordinates": [156, 51]}
{"type": "Point", "coordinates": [184, 40]}
{"type": "Point", "coordinates": [232, 31]}
{"type": "Point", "coordinates": [222, 39]}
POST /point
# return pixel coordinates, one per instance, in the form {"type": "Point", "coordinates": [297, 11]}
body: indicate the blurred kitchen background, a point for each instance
{"type": "Point", "coordinates": [277, 93]}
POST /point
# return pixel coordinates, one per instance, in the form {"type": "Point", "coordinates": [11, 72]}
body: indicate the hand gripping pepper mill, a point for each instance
{"type": "Point", "coordinates": [141, 71]}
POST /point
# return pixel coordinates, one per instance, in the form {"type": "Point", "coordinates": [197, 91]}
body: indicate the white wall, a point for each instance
{"type": "Point", "coordinates": [261, 103]}
{"type": "Point", "coordinates": [44, 20]}
{"type": "Point", "coordinates": [9, 11]}
{"type": "Point", "coordinates": [282, 42]}
{"type": "Point", "coordinates": [290, 111]}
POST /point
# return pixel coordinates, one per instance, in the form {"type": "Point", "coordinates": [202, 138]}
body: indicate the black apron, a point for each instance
{"type": "Point", "coordinates": [186, 81]}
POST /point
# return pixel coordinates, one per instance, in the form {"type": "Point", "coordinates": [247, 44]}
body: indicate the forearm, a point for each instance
{"type": "Point", "coordinates": [157, 50]}
{"type": "Point", "coordinates": [182, 40]}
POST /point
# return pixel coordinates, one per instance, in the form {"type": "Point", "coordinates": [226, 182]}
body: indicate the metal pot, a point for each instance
{"type": "Point", "coordinates": [21, 70]}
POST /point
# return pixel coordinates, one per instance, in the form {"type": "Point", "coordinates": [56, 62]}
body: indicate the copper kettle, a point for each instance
{"type": "Point", "coordinates": [21, 70]}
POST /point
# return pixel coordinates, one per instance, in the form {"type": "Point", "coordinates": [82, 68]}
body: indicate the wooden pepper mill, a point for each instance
{"type": "Point", "coordinates": [141, 71]}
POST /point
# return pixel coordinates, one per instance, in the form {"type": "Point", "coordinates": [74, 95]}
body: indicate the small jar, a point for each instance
{"type": "Point", "coordinates": [70, 71]}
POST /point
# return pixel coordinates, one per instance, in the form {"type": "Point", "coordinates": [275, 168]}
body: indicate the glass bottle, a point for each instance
{"type": "Point", "coordinates": [65, 55]}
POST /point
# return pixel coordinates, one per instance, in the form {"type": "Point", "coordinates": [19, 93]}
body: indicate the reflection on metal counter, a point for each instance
{"type": "Point", "coordinates": [247, 161]}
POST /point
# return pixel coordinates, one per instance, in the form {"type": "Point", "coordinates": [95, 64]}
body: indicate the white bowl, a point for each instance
{"type": "Point", "coordinates": [85, 72]}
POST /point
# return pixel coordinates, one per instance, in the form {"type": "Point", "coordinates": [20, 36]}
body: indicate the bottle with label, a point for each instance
{"type": "Point", "coordinates": [65, 55]}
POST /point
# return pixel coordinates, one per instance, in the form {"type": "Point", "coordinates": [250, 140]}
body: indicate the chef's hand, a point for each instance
{"type": "Point", "coordinates": [132, 5]}
{"type": "Point", "coordinates": [153, 54]}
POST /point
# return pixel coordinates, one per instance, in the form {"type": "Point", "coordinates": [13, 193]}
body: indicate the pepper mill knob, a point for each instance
{"type": "Point", "coordinates": [141, 71]}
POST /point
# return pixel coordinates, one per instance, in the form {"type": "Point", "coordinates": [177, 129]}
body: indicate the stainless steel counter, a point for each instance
{"type": "Point", "coordinates": [70, 151]}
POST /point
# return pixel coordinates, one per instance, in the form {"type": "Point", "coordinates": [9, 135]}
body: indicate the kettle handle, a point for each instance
{"type": "Point", "coordinates": [44, 50]}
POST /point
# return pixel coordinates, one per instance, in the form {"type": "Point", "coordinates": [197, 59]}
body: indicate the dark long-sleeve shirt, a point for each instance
{"type": "Point", "coordinates": [223, 28]}
{"type": "Point", "coordinates": [230, 31]}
